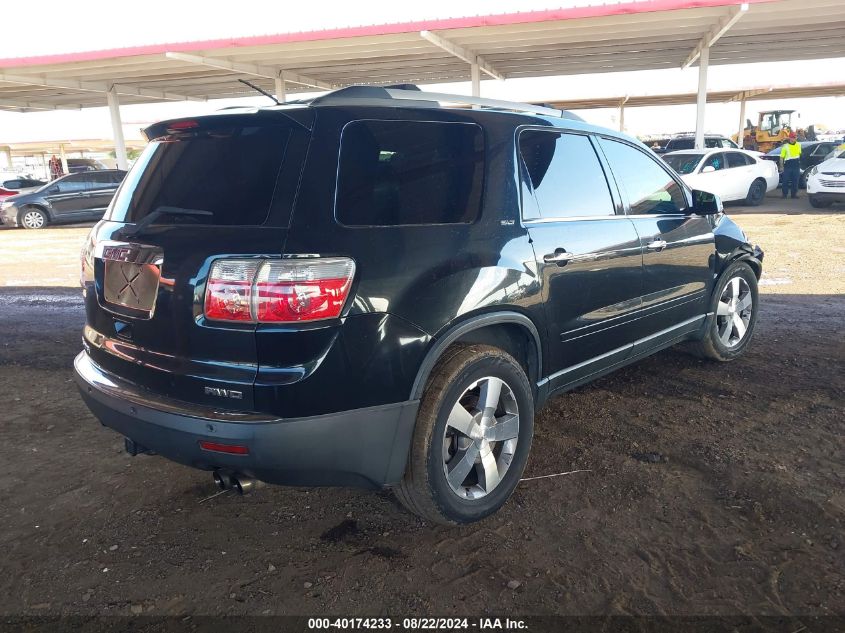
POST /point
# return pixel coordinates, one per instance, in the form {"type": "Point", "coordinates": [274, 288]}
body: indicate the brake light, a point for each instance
{"type": "Point", "coordinates": [278, 291]}
{"type": "Point", "coordinates": [182, 125]}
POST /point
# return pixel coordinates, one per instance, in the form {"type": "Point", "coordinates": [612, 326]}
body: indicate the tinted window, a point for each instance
{"type": "Point", "coordinates": [681, 143]}
{"type": "Point", "coordinates": [72, 184]}
{"type": "Point", "coordinates": [13, 184]}
{"type": "Point", "coordinates": [735, 159]}
{"type": "Point", "coordinates": [716, 161]}
{"type": "Point", "coordinates": [100, 179]}
{"type": "Point", "coordinates": [650, 188]}
{"type": "Point", "coordinates": [409, 172]}
{"type": "Point", "coordinates": [229, 172]}
{"type": "Point", "coordinates": [565, 173]}
{"type": "Point", "coordinates": [117, 176]}
{"type": "Point", "coordinates": [683, 163]}
{"type": "Point", "coordinates": [712, 142]}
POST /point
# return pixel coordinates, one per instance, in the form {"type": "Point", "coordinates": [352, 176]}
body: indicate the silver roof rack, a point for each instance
{"type": "Point", "coordinates": [442, 97]}
{"type": "Point", "coordinates": [410, 93]}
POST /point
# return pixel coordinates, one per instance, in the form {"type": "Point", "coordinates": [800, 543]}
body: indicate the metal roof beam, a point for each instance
{"type": "Point", "coordinates": [748, 94]}
{"type": "Point", "coordinates": [256, 70]}
{"type": "Point", "coordinates": [462, 53]}
{"type": "Point", "coordinates": [34, 105]}
{"type": "Point", "coordinates": [722, 27]}
{"type": "Point", "coordinates": [92, 86]}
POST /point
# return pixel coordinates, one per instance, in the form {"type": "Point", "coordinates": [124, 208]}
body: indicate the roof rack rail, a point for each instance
{"type": "Point", "coordinates": [409, 92]}
{"type": "Point", "coordinates": [498, 104]}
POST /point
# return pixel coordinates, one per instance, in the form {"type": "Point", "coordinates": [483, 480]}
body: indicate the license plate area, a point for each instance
{"type": "Point", "coordinates": [130, 278]}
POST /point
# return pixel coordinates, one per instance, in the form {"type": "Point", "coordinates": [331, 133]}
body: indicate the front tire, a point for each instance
{"type": "Point", "coordinates": [756, 193]}
{"type": "Point", "coordinates": [32, 218]}
{"type": "Point", "coordinates": [472, 437]}
{"type": "Point", "coordinates": [734, 306]}
{"type": "Point", "coordinates": [817, 203]}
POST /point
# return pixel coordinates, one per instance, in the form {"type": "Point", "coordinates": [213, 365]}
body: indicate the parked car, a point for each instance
{"type": "Point", "coordinates": [370, 289]}
{"type": "Point", "coordinates": [687, 141]}
{"type": "Point", "coordinates": [826, 182]}
{"type": "Point", "coordinates": [733, 175]}
{"type": "Point", "coordinates": [73, 198]}
{"type": "Point", "coordinates": [812, 153]}
{"type": "Point", "coordinates": [18, 184]}
{"type": "Point", "coordinates": [78, 165]}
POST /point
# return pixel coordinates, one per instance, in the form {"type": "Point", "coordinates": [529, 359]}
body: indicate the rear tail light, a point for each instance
{"type": "Point", "coordinates": [278, 291]}
{"type": "Point", "coordinates": [228, 296]}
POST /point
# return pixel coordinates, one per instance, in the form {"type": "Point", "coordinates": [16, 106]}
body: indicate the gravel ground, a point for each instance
{"type": "Point", "coordinates": [739, 508]}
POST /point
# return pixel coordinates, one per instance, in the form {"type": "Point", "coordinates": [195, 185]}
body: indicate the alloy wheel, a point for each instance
{"type": "Point", "coordinates": [733, 313]}
{"type": "Point", "coordinates": [480, 438]}
{"type": "Point", "coordinates": [33, 220]}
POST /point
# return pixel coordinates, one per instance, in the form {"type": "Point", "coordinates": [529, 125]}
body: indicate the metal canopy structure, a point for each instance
{"type": "Point", "coordinates": [720, 96]}
{"type": "Point", "coordinates": [623, 36]}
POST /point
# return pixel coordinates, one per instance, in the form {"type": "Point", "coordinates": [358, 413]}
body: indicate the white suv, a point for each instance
{"type": "Point", "coordinates": [826, 181]}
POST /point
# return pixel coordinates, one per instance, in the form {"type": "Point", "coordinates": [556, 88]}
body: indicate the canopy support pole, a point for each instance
{"type": "Point", "coordinates": [740, 137]}
{"type": "Point", "coordinates": [117, 130]}
{"type": "Point", "coordinates": [701, 98]}
{"type": "Point", "coordinates": [475, 73]}
{"type": "Point", "coordinates": [63, 157]}
{"type": "Point", "coordinates": [281, 95]}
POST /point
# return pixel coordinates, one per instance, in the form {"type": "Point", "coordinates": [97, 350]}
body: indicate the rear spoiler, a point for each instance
{"type": "Point", "coordinates": [302, 118]}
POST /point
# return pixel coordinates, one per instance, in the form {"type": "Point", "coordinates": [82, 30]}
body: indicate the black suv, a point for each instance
{"type": "Point", "coordinates": [370, 289]}
{"type": "Point", "coordinates": [682, 142]}
{"type": "Point", "coordinates": [73, 198]}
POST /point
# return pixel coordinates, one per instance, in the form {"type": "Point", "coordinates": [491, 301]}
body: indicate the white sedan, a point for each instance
{"type": "Point", "coordinates": [731, 175]}
{"type": "Point", "coordinates": [826, 181]}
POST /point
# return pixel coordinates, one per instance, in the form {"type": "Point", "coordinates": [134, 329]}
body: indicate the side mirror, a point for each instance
{"type": "Point", "coordinates": [704, 203]}
{"type": "Point", "coordinates": [707, 169]}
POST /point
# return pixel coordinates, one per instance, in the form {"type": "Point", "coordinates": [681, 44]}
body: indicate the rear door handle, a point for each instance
{"type": "Point", "coordinates": [559, 257]}
{"type": "Point", "coordinates": [656, 245]}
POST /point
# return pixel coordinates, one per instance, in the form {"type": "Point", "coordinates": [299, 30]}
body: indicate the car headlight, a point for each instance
{"type": "Point", "coordinates": [813, 170]}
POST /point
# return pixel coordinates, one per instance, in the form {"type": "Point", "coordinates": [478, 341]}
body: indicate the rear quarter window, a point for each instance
{"type": "Point", "coordinates": [393, 173]}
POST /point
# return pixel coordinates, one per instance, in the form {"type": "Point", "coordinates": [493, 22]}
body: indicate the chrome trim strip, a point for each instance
{"type": "Point", "coordinates": [631, 345]}
{"type": "Point", "coordinates": [110, 385]}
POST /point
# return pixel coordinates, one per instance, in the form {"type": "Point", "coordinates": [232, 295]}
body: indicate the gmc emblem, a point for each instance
{"type": "Point", "coordinates": [117, 253]}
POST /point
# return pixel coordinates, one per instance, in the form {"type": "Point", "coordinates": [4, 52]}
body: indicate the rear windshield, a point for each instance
{"type": "Point", "coordinates": [230, 174]}
{"type": "Point", "coordinates": [681, 143]}
{"type": "Point", "coordinates": [683, 163]}
{"type": "Point", "coordinates": [409, 172]}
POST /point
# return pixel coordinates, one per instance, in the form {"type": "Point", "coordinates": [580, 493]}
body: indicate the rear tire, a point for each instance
{"type": "Point", "coordinates": [32, 218]}
{"type": "Point", "coordinates": [756, 193]}
{"type": "Point", "coordinates": [472, 436]}
{"type": "Point", "coordinates": [734, 306]}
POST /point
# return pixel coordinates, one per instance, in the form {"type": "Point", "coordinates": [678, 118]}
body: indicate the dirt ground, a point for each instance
{"type": "Point", "coordinates": [741, 509]}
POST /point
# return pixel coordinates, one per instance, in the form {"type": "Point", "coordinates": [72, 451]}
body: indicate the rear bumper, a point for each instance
{"type": "Point", "coordinates": [364, 447]}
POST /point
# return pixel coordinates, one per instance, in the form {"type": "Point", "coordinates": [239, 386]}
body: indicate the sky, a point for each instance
{"type": "Point", "coordinates": [112, 24]}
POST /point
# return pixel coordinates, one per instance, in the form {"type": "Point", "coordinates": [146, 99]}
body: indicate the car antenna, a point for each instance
{"type": "Point", "coordinates": [257, 89]}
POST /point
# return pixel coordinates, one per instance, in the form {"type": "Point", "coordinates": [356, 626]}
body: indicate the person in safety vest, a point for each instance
{"type": "Point", "coordinates": [790, 160]}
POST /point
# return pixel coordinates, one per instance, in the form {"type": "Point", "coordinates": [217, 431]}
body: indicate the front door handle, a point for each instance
{"type": "Point", "coordinates": [559, 257]}
{"type": "Point", "coordinates": [656, 245]}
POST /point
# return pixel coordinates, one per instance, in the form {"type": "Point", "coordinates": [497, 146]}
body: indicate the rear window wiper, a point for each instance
{"type": "Point", "coordinates": [160, 211]}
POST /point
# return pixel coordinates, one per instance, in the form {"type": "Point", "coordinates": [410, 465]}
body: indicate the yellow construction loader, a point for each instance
{"type": "Point", "coordinates": [772, 129]}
